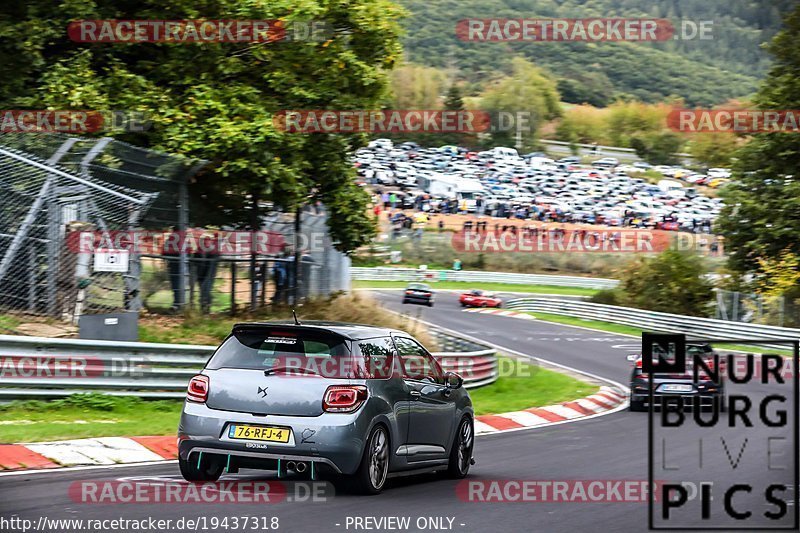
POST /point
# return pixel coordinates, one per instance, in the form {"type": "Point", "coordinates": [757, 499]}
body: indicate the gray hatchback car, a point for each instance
{"type": "Point", "coordinates": [324, 397]}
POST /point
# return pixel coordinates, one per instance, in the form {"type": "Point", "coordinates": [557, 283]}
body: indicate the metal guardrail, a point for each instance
{"type": "Point", "coordinates": [38, 367]}
{"type": "Point", "coordinates": [474, 276]}
{"type": "Point", "coordinates": [600, 150]}
{"type": "Point", "coordinates": [655, 321]}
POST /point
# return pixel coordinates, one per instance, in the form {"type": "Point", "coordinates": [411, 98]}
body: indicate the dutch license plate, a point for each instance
{"type": "Point", "coordinates": [267, 433]}
{"type": "Point", "coordinates": [671, 387]}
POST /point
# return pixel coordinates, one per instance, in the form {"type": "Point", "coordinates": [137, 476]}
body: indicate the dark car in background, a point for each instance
{"type": "Point", "coordinates": [418, 293]}
{"type": "Point", "coordinates": [699, 394]}
{"type": "Point", "coordinates": [343, 399]}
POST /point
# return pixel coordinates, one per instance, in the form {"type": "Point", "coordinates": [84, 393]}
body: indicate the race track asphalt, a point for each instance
{"type": "Point", "coordinates": [610, 447]}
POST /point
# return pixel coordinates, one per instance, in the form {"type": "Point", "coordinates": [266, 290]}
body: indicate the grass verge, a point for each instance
{"type": "Point", "coordinates": [357, 308]}
{"type": "Point", "coordinates": [636, 332]}
{"type": "Point", "coordinates": [492, 287]}
{"type": "Point", "coordinates": [87, 415]}
{"type": "Point", "coordinates": [530, 386]}
{"type": "Point", "coordinates": [95, 415]}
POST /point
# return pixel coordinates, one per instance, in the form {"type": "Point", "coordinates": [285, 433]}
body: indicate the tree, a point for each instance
{"type": "Point", "coordinates": [416, 87]}
{"type": "Point", "coordinates": [713, 149]}
{"type": "Point", "coordinates": [658, 148]}
{"type": "Point", "coordinates": [671, 282]}
{"type": "Point", "coordinates": [778, 282]}
{"type": "Point", "coordinates": [453, 100]}
{"type": "Point", "coordinates": [528, 93]}
{"type": "Point", "coordinates": [761, 217]}
{"type": "Point", "coordinates": [218, 101]}
{"type": "Point", "coordinates": [583, 124]}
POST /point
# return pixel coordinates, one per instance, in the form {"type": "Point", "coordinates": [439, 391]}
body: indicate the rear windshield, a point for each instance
{"type": "Point", "coordinates": [418, 286]}
{"type": "Point", "coordinates": [293, 351]}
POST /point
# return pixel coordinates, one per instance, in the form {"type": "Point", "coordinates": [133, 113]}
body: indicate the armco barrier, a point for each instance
{"type": "Point", "coordinates": [655, 321]}
{"type": "Point", "coordinates": [37, 367]}
{"type": "Point", "coordinates": [474, 276]}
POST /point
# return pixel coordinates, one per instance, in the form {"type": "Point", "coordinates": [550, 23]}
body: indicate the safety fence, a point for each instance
{"type": "Point", "coordinates": [474, 276]}
{"type": "Point", "coordinates": [37, 367]}
{"type": "Point", "coordinates": [654, 321]}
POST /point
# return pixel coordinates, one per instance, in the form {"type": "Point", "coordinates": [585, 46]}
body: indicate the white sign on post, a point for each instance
{"type": "Point", "coordinates": [108, 260]}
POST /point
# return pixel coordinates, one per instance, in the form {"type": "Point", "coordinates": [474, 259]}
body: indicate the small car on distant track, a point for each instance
{"type": "Point", "coordinates": [478, 298]}
{"type": "Point", "coordinates": [345, 399]}
{"type": "Point", "coordinates": [418, 293]}
{"type": "Point", "coordinates": [699, 394]}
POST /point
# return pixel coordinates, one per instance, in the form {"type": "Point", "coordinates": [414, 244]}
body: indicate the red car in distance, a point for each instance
{"type": "Point", "coordinates": [477, 298]}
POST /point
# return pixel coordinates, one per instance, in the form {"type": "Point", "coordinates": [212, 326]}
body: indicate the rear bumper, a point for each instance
{"type": "Point", "coordinates": [417, 299]}
{"type": "Point", "coordinates": [689, 399]}
{"type": "Point", "coordinates": [334, 439]}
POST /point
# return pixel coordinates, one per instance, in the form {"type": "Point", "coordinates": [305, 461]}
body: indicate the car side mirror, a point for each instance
{"type": "Point", "coordinates": [453, 380]}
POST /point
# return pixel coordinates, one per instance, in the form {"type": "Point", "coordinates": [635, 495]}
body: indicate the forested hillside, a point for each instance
{"type": "Point", "coordinates": [702, 72]}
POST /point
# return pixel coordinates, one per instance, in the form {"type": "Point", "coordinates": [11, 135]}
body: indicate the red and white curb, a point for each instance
{"type": "Point", "coordinates": [123, 450]}
{"type": "Point", "coordinates": [606, 399]}
{"type": "Point", "coordinates": [500, 312]}
{"type": "Point", "coordinates": [99, 451]}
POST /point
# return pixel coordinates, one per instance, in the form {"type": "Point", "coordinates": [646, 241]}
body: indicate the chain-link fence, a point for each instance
{"type": "Point", "coordinates": [69, 199]}
{"type": "Point", "coordinates": [46, 206]}
{"type": "Point", "coordinates": [779, 310]}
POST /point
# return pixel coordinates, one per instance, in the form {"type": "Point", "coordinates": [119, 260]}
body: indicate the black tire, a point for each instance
{"type": "Point", "coordinates": [210, 468]}
{"type": "Point", "coordinates": [373, 471]}
{"type": "Point", "coordinates": [638, 406]}
{"type": "Point", "coordinates": [430, 304]}
{"type": "Point", "coordinates": [461, 452]}
{"type": "Point", "coordinates": [405, 301]}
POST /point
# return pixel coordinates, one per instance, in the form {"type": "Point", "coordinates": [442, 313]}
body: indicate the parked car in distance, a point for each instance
{"type": "Point", "coordinates": [418, 293]}
{"type": "Point", "coordinates": [606, 162]}
{"type": "Point", "coordinates": [478, 298]}
{"type": "Point", "coordinates": [324, 397]}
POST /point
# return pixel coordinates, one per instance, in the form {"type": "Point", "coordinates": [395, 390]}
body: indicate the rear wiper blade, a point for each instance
{"type": "Point", "coordinates": [288, 369]}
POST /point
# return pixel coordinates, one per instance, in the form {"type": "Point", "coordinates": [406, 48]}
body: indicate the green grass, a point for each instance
{"type": "Point", "coordinates": [8, 323]}
{"type": "Point", "coordinates": [190, 330]}
{"type": "Point", "coordinates": [493, 287]}
{"type": "Point", "coordinates": [87, 415]}
{"type": "Point", "coordinates": [636, 332]}
{"type": "Point", "coordinates": [532, 386]}
{"type": "Point", "coordinates": [96, 415]}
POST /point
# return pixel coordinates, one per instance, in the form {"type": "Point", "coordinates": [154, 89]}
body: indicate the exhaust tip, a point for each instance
{"type": "Point", "coordinates": [300, 468]}
{"type": "Point", "coordinates": [291, 465]}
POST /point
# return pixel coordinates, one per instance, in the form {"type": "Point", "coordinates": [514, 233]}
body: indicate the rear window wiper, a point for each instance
{"type": "Point", "coordinates": [288, 369]}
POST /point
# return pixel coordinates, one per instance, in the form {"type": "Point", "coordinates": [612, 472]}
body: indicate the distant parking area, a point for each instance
{"type": "Point", "coordinates": [501, 183]}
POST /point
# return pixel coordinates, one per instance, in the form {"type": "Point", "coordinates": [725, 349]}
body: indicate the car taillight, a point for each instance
{"type": "Point", "coordinates": [639, 369]}
{"type": "Point", "coordinates": [409, 292]}
{"type": "Point", "coordinates": [198, 389]}
{"type": "Point", "coordinates": [343, 398]}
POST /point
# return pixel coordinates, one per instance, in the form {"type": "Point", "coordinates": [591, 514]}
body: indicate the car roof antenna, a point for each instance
{"type": "Point", "coordinates": [296, 322]}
